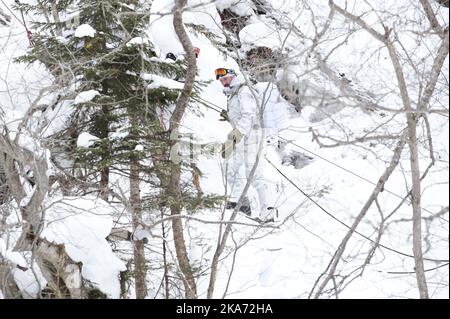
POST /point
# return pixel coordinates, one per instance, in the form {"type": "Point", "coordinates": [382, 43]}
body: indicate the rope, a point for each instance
{"type": "Point", "coordinates": [332, 163]}
{"type": "Point", "coordinates": [341, 222]}
{"type": "Point", "coordinates": [211, 105]}
{"type": "Point", "coordinates": [22, 22]}
{"type": "Point", "coordinates": [29, 34]}
{"type": "Point", "coordinates": [12, 12]}
{"type": "Point", "coordinates": [350, 172]}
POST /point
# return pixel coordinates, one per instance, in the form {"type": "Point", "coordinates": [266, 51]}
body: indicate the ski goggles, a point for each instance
{"type": "Point", "coordinates": [223, 72]}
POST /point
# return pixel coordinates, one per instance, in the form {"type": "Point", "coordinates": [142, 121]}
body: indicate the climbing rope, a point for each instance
{"type": "Point", "coordinates": [21, 21]}
{"type": "Point", "coordinates": [343, 223]}
{"type": "Point", "coordinates": [29, 34]}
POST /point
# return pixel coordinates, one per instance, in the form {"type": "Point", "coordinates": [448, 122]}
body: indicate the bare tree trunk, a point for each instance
{"type": "Point", "coordinates": [417, 211]}
{"type": "Point", "coordinates": [63, 275]}
{"type": "Point", "coordinates": [380, 186]}
{"type": "Point", "coordinates": [8, 285]}
{"type": "Point", "coordinates": [60, 271]}
{"type": "Point", "coordinates": [56, 19]}
{"type": "Point", "coordinates": [166, 266]}
{"type": "Point", "coordinates": [174, 187]}
{"type": "Point", "coordinates": [412, 117]}
{"type": "Point", "coordinates": [140, 272]}
{"type": "Point", "coordinates": [104, 173]}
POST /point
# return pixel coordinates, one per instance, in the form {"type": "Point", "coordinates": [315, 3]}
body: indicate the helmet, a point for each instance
{"type": "Point", "coordinates": [171, 56]}
{"type": "Point", "coordinates": [196, 51]}
{"type": "Point", "coordinates": [220, 72]}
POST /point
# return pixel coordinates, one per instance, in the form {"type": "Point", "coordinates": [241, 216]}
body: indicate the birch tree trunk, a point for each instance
{"type": "Point", "coordinates": [140, 272]}
{"type": "Point", "coordinates": [174, 187]}
{"type": "Point", "coordinates": [61, 272]}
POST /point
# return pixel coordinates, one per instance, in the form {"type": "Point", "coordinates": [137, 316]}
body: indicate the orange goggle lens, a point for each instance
{"type": "Point", "coordinates": [222, 72]}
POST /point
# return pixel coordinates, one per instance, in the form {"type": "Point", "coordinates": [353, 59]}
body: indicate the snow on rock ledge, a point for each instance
{"type": "Point", "coordinates": [82, 225]}
{"type": "Point", "coordinates": [240, 7]}
{"type": "Point", "coordinates": [85, 30]}
{"type": "Point", "coordinates": [261, 34]}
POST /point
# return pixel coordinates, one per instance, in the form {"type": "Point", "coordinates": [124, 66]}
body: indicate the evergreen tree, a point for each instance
{"type": "Point", "coordinates": [109, 54]}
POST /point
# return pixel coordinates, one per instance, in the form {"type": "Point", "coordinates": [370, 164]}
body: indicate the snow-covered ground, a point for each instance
{"type": "Point", "coordinates": [280, 262]}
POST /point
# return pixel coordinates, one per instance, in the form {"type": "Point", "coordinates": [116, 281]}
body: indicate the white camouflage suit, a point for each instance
{"type": "Point", "coordinates": [243, 114]}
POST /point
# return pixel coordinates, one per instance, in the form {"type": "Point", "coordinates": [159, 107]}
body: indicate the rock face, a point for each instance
{"type": "Point", "coordinates": [262, 63]}
{"type": "Point", "coordinates": [232, 21]}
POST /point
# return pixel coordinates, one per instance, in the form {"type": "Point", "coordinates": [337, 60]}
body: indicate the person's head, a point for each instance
{"type": "Point", "coordinates": [226, 80]}
{"type": "Point", "coordinates": [225, 76]}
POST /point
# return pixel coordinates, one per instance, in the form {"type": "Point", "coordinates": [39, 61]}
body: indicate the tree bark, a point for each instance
{"type": "Point", "coordinates": [412, 117]}
{"type": "Point", "coordinates": [380, 186]}
{"type": "Point", "coordinates": [8, 285]}
{"type": "Point", "coordinates": [140, 272]}
{"type": "Point", "coordinates": [416, 204]}
{"type": "Point", "coordinates": [104, 173]}
{"type": "Point", "coordinates": [174, 187]}
{"type": "Point", "coordinates": [59, 270]}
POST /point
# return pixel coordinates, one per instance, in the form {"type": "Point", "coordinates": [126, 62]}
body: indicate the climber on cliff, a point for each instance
{"type": "Point", "coordinates": [243, 145]}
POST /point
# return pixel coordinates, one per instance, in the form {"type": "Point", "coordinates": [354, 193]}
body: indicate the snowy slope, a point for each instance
{"type": "Point", "coordinates": [285, 262]}
{"type": "Point", "coordinates": [281, 262]}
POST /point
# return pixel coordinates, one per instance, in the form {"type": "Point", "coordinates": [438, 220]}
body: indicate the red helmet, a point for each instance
{"type": "Point", "coordinates": [196, 51]}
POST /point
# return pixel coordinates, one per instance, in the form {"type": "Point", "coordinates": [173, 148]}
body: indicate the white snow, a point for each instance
{"type": "Point", "coordinates": [137, 41]}
{"type": "Point", "coordinates": [262, 34]}
{"type": "Point", "coordinates": [25, 201]}
{"type": "Point", "coordinates": [85, 30]}
{"type": "Point", "coordinates": [157, 81]}
{"type": "Point", "coordinates": [82, 224]}
{"type": "Point", "coordinates": [85, 97]}
{"type": "Point", "coordinates": [140, 234]}
{"type": "Point", "coordinates": [139, 148]}
{"type": "Point", "coordinates": [14, 257]}
{"type": "Point", "coordinates": [240, 7]}
{"type": "Point", "coordinates": [86, 140]}
{"type": "Point", "coordinates": [283, 263]}
{"type": "Point", "coordinates": [163, 33]}
{"type": "Point", "coordinates": [27, 281]}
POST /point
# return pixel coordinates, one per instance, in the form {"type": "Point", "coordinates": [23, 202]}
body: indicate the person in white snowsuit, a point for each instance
{"type": "Point", "coordinates": [244, 116]}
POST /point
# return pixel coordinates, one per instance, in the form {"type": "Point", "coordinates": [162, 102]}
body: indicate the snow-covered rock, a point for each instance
{"type": "Point", "coordinates": [261, 34]}
{"type": "Point", "coordinates": [82, 225]}
{"type": "Point", "coordinates": [239, 7]}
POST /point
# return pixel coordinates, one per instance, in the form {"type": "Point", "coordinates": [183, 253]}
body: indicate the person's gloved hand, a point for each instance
{"type": "Point", "coordinates": [235, 136]}
{"type": "Point", "coordinates": [224, 116]}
